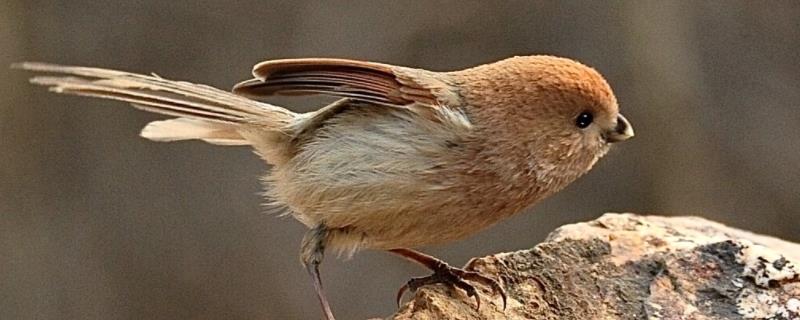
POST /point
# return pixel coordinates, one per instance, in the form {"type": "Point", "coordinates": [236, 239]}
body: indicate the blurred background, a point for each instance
{"type": "Point", "coordinates": [97, 223]}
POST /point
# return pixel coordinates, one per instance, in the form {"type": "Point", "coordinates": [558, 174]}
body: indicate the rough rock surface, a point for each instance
{"type": "Point", "coordinates": [624, 266]}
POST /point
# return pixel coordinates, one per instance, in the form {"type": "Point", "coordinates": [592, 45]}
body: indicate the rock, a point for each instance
{"type": "Point", "coordinates": [624, 266]}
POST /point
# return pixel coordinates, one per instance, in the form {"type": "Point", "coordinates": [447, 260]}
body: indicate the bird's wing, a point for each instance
{"type": "Point", "coordinates": [359, 80]}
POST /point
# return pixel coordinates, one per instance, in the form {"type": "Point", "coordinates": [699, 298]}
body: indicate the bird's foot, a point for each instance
{"type": "Point", "coordinates": [454, 277]}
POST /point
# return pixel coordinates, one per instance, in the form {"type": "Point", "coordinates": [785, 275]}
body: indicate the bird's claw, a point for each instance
{"type": "Point", "coordinates": [491, 283]}
{"type": "Point", "coordinates": [455, 277]}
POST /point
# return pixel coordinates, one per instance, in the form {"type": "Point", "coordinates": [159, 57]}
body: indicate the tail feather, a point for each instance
{"type": "Point", "coordinates": [203, 112]}
{"type": "Point", "coordinates": [126, 80]}
{"type": "Point", "coordinates": [187, 129]}
{"type": "Point", "coordinates": [142, 98]}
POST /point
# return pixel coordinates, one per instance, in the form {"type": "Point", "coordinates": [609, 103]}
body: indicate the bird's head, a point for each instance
{"type": "Point", "coordinates": [559, 113]}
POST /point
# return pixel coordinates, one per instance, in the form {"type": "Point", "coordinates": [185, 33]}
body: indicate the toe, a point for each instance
{"type": "Point", "coordinates": [400, 294]}
{"type": "Point", "coordinates": [496, 287]}
{"type": "Point", "coordinates": [470, 290]}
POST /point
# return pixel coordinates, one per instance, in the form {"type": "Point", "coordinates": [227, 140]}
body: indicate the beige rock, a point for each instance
{"type": "Point", "coordinates": [624, 266]}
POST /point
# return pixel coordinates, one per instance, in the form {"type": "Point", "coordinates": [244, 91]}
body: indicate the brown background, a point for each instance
{"type": "Point", "coordinates": [96, 223]}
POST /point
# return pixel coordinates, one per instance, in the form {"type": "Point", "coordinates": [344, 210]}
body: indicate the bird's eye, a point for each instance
{"type": "Point", "coordinates": [584, 119]}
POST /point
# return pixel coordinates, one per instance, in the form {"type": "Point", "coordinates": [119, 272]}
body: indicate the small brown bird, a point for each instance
{"type": "Point", "coordinates": [406, 158]}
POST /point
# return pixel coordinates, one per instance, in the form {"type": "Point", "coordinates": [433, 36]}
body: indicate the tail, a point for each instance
{"type": "Point", "coordinates": [203, 112]}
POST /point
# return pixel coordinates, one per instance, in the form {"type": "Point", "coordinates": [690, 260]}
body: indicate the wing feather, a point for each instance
{"type": "Point", "coordinates": [359, 80]}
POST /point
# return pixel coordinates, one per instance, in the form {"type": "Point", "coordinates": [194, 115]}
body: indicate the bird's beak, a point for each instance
{"type": "Point", "coordinates": [623, 131]}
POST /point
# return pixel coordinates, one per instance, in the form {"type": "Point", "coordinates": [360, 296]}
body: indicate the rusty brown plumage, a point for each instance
{"type": "Point", "coordinates": [407, 157]}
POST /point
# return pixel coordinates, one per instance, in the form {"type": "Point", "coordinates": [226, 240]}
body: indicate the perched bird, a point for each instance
{"type": "Point", "coordinates": [407, 157]}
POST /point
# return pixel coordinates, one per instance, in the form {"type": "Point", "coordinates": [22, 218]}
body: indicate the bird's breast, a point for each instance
{"type": "Point", "coordinates": [390, 177]}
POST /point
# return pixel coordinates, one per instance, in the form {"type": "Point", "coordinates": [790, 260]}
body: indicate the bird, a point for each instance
{"type": "Point", "coordinates": [406, 157]}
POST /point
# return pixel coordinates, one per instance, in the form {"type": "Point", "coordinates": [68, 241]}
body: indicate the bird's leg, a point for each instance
{"type": "Point", "coordinates": [445, 274]}
{"type": "Point", "coordinates": [311, 253]}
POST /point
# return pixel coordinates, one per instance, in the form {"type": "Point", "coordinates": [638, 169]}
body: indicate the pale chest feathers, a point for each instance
{"type": "Point", "coordinates": [368, 158]}
{"type": "Point", "coordinates": [420, 168]}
